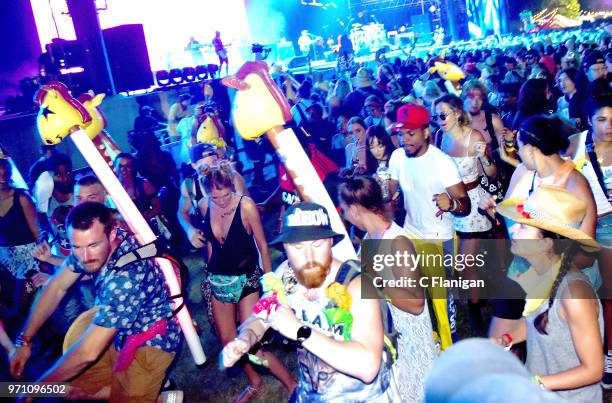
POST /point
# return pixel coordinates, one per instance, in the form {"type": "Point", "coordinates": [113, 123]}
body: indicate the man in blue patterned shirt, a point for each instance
{"type": "Point", "coordinates": [129, 334]}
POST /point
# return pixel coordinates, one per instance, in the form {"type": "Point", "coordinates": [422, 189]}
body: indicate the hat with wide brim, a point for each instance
{"type": "Point", "coordinates": [514, 209]}
{"type": "Point", "coordinates": [363, 78]}
{"type": "Point", "coordinates": [79, 327]}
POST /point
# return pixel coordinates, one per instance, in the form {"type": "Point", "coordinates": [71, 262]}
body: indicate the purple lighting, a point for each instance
{"type": "Point", "coordinates": [168, 26]}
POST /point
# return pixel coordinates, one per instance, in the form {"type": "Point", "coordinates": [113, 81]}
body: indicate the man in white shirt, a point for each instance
{"type": "Point", "coordinates": [430, 182]}
{"type": "Point", "coordinates": [433, 192]}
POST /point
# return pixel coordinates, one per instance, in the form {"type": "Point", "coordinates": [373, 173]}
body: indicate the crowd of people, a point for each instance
{"type": "Point", "coordinates": [520, 149]}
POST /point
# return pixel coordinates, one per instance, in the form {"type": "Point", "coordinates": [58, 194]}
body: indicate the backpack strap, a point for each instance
{"type": "Point", "coordinates": [147, 251]}
{"type": "Point", "coordinates": [153, 250]}
{"type": "Point", "coordinates": [491, 129]}
{"type": "Point", "coordinates": [350, 270]}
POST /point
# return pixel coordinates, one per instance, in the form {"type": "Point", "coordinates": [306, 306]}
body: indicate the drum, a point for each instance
{"type": "Point", "coordinates": [374, 36]}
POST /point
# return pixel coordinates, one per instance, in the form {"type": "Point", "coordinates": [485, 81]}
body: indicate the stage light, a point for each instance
{"type": "Point", "coordinates": [176, 76]}
{"type": "Point", "coordinates": [212, 70]}
{"type": "Point", "coordinates": [432, 9]}
{"type": "Point", "coordinates": [162, 77]}
{"type": "Point", "coordinates": [201, 72]}
{"type": "Point", "coordinates": [189, 74]}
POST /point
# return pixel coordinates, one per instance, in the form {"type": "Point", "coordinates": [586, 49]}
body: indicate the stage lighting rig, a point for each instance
{"type": "Point", "coordinates": [324, 5]}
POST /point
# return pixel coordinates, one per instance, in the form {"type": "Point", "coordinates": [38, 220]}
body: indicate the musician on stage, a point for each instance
{"type": "Point", "coordinates": [193, 47]}
{"type": "Point", "coordinates": [221, 51]}
{"type": "Point", "coordinates": [305, 41]}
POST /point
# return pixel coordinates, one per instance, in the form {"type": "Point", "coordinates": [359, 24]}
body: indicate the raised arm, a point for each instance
{"type": "Point", "coordinates": [455, 200]}
{"type": "Point", "coordinates": [365, 346]}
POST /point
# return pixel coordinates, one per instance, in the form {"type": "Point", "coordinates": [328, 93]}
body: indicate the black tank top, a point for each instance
{"type": "Point", "coordinates": [14, 229]}
{"type": "Point", "coordinates": [238, 255]}
{"type": "Point", "coordinates": [142, 202]}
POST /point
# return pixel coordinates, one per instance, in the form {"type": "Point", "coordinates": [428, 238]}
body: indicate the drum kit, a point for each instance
{"type": "Point", "coordinates": [371, 36]}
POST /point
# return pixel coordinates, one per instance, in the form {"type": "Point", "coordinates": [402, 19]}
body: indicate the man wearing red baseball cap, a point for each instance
{"type": "Point", "coordinates": [430, 182]}
{"type": "Point", "coordinates": [429, 179]}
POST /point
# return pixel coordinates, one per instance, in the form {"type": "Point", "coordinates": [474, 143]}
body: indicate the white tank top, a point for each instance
{"type": "Point", "coordinates": [601, 200]}
{"type": "Point", "coordinates": [530, 182]}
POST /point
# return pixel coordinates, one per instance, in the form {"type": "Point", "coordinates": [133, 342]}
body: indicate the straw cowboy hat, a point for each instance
{"type": "Point", "coordinates": [363, 78]}
{"type": "Point", "coordinates": [551, 208]}
{"type": "Point", "coordinates": [78, 327]}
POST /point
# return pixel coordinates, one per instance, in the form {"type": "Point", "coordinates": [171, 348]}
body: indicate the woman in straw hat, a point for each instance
{"type": "Point", "coordinates": [540, 142]}
{"type": "Point", "coordinates": [562, 319]}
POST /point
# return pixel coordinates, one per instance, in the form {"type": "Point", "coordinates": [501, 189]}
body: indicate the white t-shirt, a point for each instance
{"type": "Point", "coordinates": [420, 179]}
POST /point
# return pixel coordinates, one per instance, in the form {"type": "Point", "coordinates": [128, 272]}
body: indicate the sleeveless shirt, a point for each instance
{"type": "Point", "coordinates": [14, 230]}
{"type": "Point", "coordinates": [555, 352]}
{"type": "Point", "coordinates": [238, 254]}
{"type": "Point", "coordinates": [319, 382]}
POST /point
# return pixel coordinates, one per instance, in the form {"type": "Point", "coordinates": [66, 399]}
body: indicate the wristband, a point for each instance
{"type": "Point", "coordinates": [507, 340]}
{"type": "Point", "coordinates": [454, 206]}
{"type": "Point", "coordinates": [538, 381]}
{"type": "Point", "coordinates": [508, 337]}
{"type": "Point", "coordinates": [23, 340]}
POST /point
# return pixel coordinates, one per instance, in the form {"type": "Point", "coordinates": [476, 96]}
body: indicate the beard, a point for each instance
{"type": "Point", "coordinates": [313, 274]}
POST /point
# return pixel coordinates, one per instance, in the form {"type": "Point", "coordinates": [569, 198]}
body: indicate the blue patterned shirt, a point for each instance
{"type": "Point", "coordinates": [132, 298]}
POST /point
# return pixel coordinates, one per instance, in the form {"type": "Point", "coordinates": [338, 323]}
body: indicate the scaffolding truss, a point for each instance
{"type": "Point", "coordinates": [375, 5]}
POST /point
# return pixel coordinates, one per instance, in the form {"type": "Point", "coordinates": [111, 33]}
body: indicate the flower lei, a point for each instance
{"type": "Point", "coordinates": [338, 312]}
{"type": "Point", "coordinates": [274, 295]}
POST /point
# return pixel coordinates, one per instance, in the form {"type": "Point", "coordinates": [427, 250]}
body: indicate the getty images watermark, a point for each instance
{"type": "Point", "coordinates": [400, 270]}
{"type": "Point", "coordinates": [412, 260]}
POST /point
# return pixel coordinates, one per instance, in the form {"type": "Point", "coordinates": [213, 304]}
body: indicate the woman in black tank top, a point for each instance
{"type": "Point", "coordinates": [18, 235]}
{"type": "Point", "coordinates": [234, 232]}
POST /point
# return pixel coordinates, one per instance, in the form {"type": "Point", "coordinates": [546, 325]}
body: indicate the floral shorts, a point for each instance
{"type": "Point", "coordinates": [18, 259]}
{"type": "Point", "coordinates": [252, 283]}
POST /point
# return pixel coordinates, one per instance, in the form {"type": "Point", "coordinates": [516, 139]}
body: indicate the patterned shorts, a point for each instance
{"type": "Point", "coordinates": [18, 259]}
{"type": "Point", "coordinates": [251, 284]}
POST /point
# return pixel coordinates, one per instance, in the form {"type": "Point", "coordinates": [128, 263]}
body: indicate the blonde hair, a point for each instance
{"type": "Point", "coordinates": [220, 176]}
{"type": "Point", "coordinates": [456, 104]}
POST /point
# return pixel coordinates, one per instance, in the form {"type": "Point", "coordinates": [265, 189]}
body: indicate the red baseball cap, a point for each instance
{"type": "Point", "coordinates": [411, 116]}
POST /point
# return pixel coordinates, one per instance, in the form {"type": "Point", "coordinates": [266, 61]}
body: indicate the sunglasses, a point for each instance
{"type": "Point", "coordinates": [441, 117]}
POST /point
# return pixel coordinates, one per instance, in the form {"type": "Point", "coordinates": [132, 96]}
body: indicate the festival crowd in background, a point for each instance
{"type": "Point", "coordinates": [520, 149]}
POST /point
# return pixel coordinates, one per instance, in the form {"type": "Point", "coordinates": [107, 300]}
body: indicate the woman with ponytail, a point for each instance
{"type": "Point", "coordinates": [562, 319]}
{"type": "Point", "coordinates": [361, 200]}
